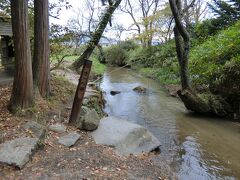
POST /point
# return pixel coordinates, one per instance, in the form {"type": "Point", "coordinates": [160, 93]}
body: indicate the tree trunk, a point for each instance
{"type": "Point", "coordinates": [22, 92]}
{"type": "Point", "coordinates": [102, 58]}
{"type": "Point", "coordinates": [96, 35]}
{"type": "Point", "coordinates": [212, 105]}
{"type": "Point", "coordinates": [182, 40]}
{"type": "Point", "coordinates": [41, 66]}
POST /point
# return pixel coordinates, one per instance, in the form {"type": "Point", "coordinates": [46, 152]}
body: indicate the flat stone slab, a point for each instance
{"type": "Point", "coordinates": [126, 137]}
{"type": "Point", "coordinates": [69, 139]}
{"type": "Point", "coordinates": [18, 151]}
{"type": "Point", "coordinates": [38, 130]}
{"type": "Point", "coordinates": [59, 128]}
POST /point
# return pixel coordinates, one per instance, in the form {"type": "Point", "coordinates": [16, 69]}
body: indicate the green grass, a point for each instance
{"type": "Point", "coordinates": [164, 75]}
{"type": "Point", "coordinates": [71, 58]}
{"type": "Point", "coordinates": [97, 67]}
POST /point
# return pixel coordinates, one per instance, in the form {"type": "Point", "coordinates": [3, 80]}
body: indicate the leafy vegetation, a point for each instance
{"type": "Point", "coordinates": [208, 59]}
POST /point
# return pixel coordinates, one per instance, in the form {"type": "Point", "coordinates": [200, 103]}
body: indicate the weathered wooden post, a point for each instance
{"type": "Point", "coordinates": [81, 88]}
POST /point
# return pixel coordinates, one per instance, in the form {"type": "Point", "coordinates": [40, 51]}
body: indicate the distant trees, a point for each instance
{"type": "Point", "coordinates": [141, 13]}
{"type": "Point", "coordinates": [22, 92]}
{"type": "Point", "coordinates": [227, 12]}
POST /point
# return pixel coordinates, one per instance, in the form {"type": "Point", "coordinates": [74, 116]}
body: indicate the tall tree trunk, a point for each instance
{"type": "Point", "coordinates": [182, 40]}
{"type": "Point", "coordinates": [41, 66]}
{"type": "Point", "coordinates": [96, 35]}
{"type": "Point", "coordinates": [214, 105]}
{"type": "Point", "coordinates": [22, 92]}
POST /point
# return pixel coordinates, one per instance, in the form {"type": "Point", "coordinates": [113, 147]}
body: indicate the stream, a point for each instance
{"type": "Point", "coordinates": [196, 147]}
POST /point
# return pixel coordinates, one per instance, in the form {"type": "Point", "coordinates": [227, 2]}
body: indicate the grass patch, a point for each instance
{"type": "Point", "coordinates": [97, 67]}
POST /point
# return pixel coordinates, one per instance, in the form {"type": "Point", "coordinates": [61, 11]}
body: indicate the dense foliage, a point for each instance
{"type": "Point", "coordinates": [208, 58]}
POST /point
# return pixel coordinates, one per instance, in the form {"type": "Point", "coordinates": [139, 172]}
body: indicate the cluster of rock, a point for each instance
{"type": "Point", "coordinates": [138, 89]}
{"type": "Point", "coordinates": [126, 137]}
{"type": "Point", "coordinates": [18, 152]}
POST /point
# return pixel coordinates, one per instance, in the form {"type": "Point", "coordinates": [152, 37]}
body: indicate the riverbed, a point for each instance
{"type": "Point", "coordinates": [196, 147]}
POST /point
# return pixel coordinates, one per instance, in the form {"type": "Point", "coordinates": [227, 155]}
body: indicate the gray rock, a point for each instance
{"type": "Point", "coordinates": [69, 139]}
{"type": "Point", "coordinates": [89, 119]}
{"type": "Point", "coordinates": [59, 128]}
{"type": "Point", "coordinates": [38, 130]}
{"type": "Point", "coordinates": [126, 137]}
{"type": "Point", "coordinates": [18, 151]}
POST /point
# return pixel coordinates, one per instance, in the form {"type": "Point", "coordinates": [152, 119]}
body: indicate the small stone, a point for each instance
{"type": "Point", "coordinates": [105, 168]}
{"type": "Point", "coordinates": [69, 139]}
{"type": "Point", "coordinates": [59, 128]}
{"type": "Point", "coordinates": [114, 92]}
{"type": "Point", "coordinates": [18, 151]}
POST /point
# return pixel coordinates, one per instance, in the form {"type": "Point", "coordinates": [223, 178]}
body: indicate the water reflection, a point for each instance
{"type": "Point", "coordinates": [196, 147]}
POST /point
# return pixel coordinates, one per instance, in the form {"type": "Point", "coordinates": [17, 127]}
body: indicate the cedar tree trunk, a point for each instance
{"type": "Point", "coordinates": [22, 92]}
{"type": "Point", "coordinates": [41, 65]}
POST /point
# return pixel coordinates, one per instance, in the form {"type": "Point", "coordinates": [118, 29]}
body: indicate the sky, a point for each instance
{"type": "Point", "coordinates": [119, 17]}
{"type": "Point", "coordinates": [65, 15]}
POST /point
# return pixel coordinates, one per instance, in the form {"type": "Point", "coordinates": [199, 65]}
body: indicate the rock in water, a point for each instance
{"type": "Point", "coordinates": [69, 139]}
{"type": "Point", "coordinates": [38, 130]}
{"type": "Point", "coordinates": [126, 137]}
{"type": "Point", "coordinates": [140, 89]}
{"type": "Point", "coordinates": [59, 128]}
{"type": "Point", "coordinates": [114, 92]}
{"type": "Point", "coordinates": [18, 151]}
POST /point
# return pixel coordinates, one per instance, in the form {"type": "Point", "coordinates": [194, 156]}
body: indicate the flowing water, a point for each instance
{"type": "Point", "coordinates": [196, 147]}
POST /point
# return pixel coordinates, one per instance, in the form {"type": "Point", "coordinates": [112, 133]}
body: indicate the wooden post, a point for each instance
{"type": "Point", "coordinates": [81, 88]}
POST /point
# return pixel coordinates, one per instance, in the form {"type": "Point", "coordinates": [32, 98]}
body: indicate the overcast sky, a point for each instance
{"type": "Point", "coordinates": [65, 15]}
{"type": "Point", "coordinates": [119, 17]}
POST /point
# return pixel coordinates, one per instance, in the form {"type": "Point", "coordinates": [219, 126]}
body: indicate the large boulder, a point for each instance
{"type": "Point", "coordinates": [89, 119]}
{"type": "Point", "coordinates": [126, 137]}
{"type": "Point", "coordinates": [18, 151]}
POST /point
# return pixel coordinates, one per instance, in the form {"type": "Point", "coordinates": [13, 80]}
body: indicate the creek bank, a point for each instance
{"type": "Point", "coordinates": [222, 98]}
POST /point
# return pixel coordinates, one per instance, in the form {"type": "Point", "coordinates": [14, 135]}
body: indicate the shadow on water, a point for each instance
{"type": "Point", "coordinates": [196, 146]}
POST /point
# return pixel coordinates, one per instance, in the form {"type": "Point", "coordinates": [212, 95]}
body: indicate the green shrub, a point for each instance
{"type": "Point", "coordinates": [128, 45]}
{"type": "Point", "coordinates": [115, 55]}
{"type": "Point", "coordinates": [155, 56]}
{"type": "Point", "coordinates": [143, 56]}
